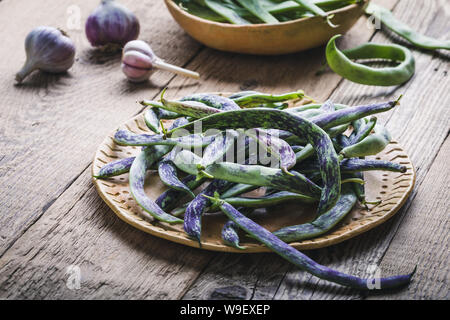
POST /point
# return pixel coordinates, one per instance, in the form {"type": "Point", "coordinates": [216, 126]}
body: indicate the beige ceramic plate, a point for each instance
{"type": "Point", "coordinates": [391, 187]}
{"type": "Point", "coordinates": [267, 39]}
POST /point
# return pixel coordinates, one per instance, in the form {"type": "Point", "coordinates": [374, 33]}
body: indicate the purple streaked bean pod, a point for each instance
{"type": "Point", "coordinates": [168, 175]}
{"type": "Point", "coordinates": [269, 200]}
{"type": "Point", "coordinates": [249, 174]}
{"type": "Point", "coordinates": [137, 178]}
{"type": "Point", "coordinates": [195, 209]}
{"type": "Point", "coordinates": [362, 131]}
{"type": "Point", "coordinates": [241, 94]}
{"type": "Point", "coordinates": [157, 107]}
{"type": "Point", "coordinates": [217, 149]}
{"type": "Point", "coordinates": [169, 198]}
{"type": "Point", "coordinates": [370, 145]}
{"type": "Point", "coordinates": [115, 168]}
{"type": "Point", "coordinates": [248, 100]}
{"type": "Point", "coordinates": [128, 138]}
{"type": "Point", "coordinates": [356, 165]}
{"type": "Point", "coordinates": [328, 106]}
{"type": "Point", "coordinates": [347, 115]}
{"type": "Point", "coordinates": [151, 120]}
{"type": "Point", "coordinates": [230, 229]}
{"type": "Point", "coordinates": [304, 262]}
{"type": "Point", "coordinates": [213, 101]}
{"type": "Point", "coordinates": [230, 235]}
{"type": "Point", "coordinates": [278, 119]}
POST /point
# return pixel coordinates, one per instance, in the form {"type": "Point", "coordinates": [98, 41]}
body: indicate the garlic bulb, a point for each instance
{"type": "Point", "coordinates": [48, 49]}
{"type": "Point", "coordinates": [111, 23]}
{"type": "Point", "coordinates": [139, 61]}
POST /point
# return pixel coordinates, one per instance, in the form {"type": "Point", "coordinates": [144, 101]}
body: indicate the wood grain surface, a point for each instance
{"type": "Point", "coordinates": [52, 218]}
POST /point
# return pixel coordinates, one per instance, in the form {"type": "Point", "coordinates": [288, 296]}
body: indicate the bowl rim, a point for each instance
{"type": "Point", "coordinates": [173, 5]}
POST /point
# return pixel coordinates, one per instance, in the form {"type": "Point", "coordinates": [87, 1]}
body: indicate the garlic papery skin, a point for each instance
{"type": "Point", "coordinates": [139, 62]}
{"type": "Point", "coordinates": [111, 23]}
{"type": "Point", "coordinates": [48, 49]}
{"type": "Point", "coordinates": [137, 66]}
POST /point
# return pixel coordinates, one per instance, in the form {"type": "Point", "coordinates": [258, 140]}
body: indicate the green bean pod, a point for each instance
{"type": "Point", "coordinates": [230, 235]}
{"type": "Point", "coordinates": [257, 10]}
{"type": "Point", "coordinates": [370, 145]}
{"type": "Point", "coordinates": [312, 7]}
{"type": "Point", "coordinates": [193, 109]}
{"type": "Point", "coordinates": [128, 138]}
{"type": "Point", "coordinates": [157, 107]}
{"type": "Point", "coordinates": [404, 31]}
{"type": "Point", "coordinates": [169, 198]}
{"type": "Point", "coordinates": [213, 101]}
{"type": "Point", "coordinates": [151, 120]}
{"type": "Point", "coordinates": [363, 131]}
{"type": "Point", "coordinates": [299, 259]}
{"type": "Point", "coordinates": [341, 63]}
{"type": "Point", "coordinates": [137, 178]}
{"type": "Point", "coordinates": [248, 174]}
{"type": "Point", "coordinates": [269, 200]}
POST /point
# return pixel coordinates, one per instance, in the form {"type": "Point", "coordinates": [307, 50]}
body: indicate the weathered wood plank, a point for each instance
{"type": "Point", "coordinates": [115, 260]}
{"type": "Point", "coordinates": [51, 125]}
{"type": "Point", "coordinates": [424, 232]}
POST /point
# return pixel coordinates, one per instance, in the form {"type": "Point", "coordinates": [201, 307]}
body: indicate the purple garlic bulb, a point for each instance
{"type": "Point", "coordinates": [139, 62]}
{"type": "Point", "coordinates": [111, 23]}
{"type": "Point", "coordinates": [48, 49]}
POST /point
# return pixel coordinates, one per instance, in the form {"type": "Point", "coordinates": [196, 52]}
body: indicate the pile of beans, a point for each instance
{"type": "Point", "coordinates": [319, 148]}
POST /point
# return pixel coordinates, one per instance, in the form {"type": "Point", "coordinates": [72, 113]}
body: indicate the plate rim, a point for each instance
{"type": "Point", "coordinates": [164, 231]}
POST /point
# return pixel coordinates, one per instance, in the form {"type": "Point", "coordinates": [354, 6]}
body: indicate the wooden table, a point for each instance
{"type": "Point", "coordinates": [53, 224]}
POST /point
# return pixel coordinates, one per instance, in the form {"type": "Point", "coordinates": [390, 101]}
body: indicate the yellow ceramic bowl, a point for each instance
{"type": "Point", "coordinates": [267, 39]}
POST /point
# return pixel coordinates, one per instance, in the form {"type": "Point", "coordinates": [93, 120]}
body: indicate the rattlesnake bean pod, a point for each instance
{"type": "Point", "coordinates": [137, 178]}
{"type": "Point", "coordinates": [363, 131]}
{"type": "Point", "coordinates": [242, 94]}
{"type": "Point", "coordinates": [193, 109]}
{"type": "Point", "coordinates": [169, 198]}
{"type": "Point", "coordinates": [230, 235]}
{"type": "Point", "coordinates": [151, 120]}
{"type": "Point", "coordinates": [370, 145]}
{"type": "Point", "coordinates": [168, 174]}
{"type": "Point", "coordinates": [230, 229]}
{"type": "Point", "coordinates": [250, 174]}
{"type": "Point", "coordinates": [248, 100]}
{"type": "Point", "coordinates": [194, 211]}
{"type": "Point", "coordinates": [212, 100]}
{"type": "Point", "coordinates": [277, 119]}
{"type": "Point", "coordinates": [341, 63]}
{"type": "Point", "coordinates": [355, 165]}
{"type": "Point", "coordinates": [269, 200]}
{"type": "Point", "coordinates": [404, 31]}
{"type": "Point", "coordinates": [347, 115]}
{"type": "Point", "coordinates": [302, 261]}
{"type": "Point", "coordinates": [157, 107]}
{"type": "Point", "coordinates": [115, 168]}
{"type": "Point", "coordinates": [323, 223]}
{"type": "Point", "coordinates": [128, 138]}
